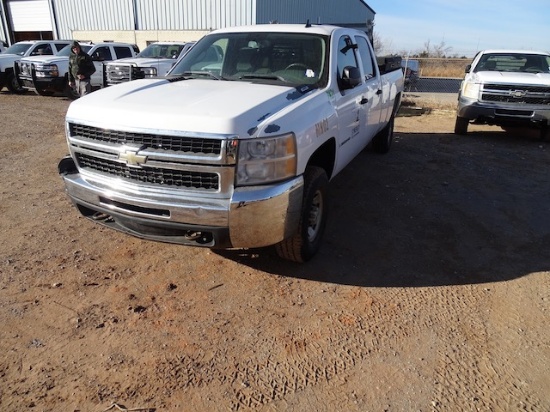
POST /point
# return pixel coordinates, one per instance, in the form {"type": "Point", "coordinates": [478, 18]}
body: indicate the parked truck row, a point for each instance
{"type": "Point", "coordinates": [43, 66]}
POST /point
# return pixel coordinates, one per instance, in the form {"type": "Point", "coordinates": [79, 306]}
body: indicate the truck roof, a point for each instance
{"type": "Point", "coordinates": [294, 28]}
{"type": "Point", "coordinates": [514, 51]}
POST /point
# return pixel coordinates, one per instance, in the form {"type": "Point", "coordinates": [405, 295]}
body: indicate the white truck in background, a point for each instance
{"type": "Point", "coordinates": [235, 148]}
{"type": "Point", "coordinates": [155, 60]}
{"type": "Point", "coordinates": [506, 88]}
{"type": "Point", "coordinates": [21, 50]}
{"type": "Point", "coordinates": [50, 74]}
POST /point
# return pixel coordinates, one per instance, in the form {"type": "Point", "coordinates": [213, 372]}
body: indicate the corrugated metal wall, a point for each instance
{"type": "Point", "coordinates": [151, 14]}
{"type": "Point", "coordinates": [93, 15]}
{"type": "Point", "coordinates": [130, 15]}
{"type": "Point", "coordinates": [340, 12]}
{"type": "Point", "coordinates": [4, 37]}
{"type": "Point", "coordinates": [194, 14]}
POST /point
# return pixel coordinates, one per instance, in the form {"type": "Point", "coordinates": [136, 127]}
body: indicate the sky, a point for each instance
{"type": "Point", "coordinates": [466, 26]}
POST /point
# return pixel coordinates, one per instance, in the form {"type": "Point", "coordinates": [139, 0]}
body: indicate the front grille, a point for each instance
{"type": "Point", "coordinates": [518, 94]}
{"type": "Point", "coordinates": [118, 73]}
{"type": "Point", "coordinates": [25, 69]}
{"type": "Point", "coordinates": [174, 143]}
{"type": "Point", "coordinates": [157, 176]}
{"type": "Point", "coordinates": [121, 73]}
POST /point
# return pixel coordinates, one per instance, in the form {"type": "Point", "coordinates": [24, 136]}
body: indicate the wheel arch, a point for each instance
{"type": "Point", "coordinates": [325, 157]}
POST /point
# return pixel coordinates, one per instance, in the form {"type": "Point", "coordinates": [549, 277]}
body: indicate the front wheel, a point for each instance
{"type": "Point", "coordinates": [12, 83]}
{"type": "Point", "coordinates": [305, 243]}
{"type": "Point", "coordinates": [70, 92]}
{"type": "Point", "coordinates": [461, 125]}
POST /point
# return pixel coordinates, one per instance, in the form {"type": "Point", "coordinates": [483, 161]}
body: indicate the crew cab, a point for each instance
{"type": "Point", "coordinates": [24, 49]}
{"type": "Point", "coordinates": [47, 75]}
{"type": "Point", "coordinates": [155, 60]}
{"type": "Point", "coordinates": [506, 88]}
{"type": "Point", "coordinates": [235, 148]}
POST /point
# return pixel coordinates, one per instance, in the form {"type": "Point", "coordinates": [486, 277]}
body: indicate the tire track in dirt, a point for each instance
{"type": "Point", "coordinates": [471, 371]}
{"type": "Point", "coordinates": [294, 362]}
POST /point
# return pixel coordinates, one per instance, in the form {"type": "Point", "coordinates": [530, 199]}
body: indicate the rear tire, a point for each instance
{"type": "Point", "coordinates": [544, 133]}
{"type": "Point", "coordinates": [461, 125]}
{"type": "Point", "coordinates": [12, 83]}
{"type": "Point", "coordinates": [305, 243]}
{"type": "Point", "coordinates": [382, 141]}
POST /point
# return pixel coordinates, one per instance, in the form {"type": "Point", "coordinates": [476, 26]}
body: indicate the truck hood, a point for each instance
{"type": "Point", "coordinates": [194, 106]}
{"type": "Point", "coordinates": [143, 61]}
{"type": "Point", "coordinates": [514, 78]}
{"type": "Point", "coordinates": [7, 60]}
{"type": "Point", "coordinates": [45, 59]}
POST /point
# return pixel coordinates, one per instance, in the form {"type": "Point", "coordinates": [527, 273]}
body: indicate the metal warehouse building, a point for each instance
{"type": "Point", "coordinates": [145, 21]}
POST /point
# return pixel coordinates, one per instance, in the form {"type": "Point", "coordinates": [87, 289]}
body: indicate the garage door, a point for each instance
{"type": "Point", "coordinates": [30, 15]}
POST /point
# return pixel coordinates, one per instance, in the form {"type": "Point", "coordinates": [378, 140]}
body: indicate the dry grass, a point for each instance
{"type": "Point", "coordinates": [453, 68]}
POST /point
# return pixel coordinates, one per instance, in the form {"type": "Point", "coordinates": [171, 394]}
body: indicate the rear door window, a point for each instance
{"type": "Point", "coordinates": [122, 52]}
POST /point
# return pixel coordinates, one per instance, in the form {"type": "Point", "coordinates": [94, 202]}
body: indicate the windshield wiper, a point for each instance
{"type": "Point", "coordinates": [203, 73]}
{"type": "Point", "coordinates": [261, 77]}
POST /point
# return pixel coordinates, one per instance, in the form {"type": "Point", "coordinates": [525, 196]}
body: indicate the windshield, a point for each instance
{"type": "Point", "coordinates": [18, 48]}
{"type": "Point", "coordinates": [66, 51]}
{"type": "Point", "coordinates": [275, 58]}
{"type": "Point", "coordinates": [161, 51]}
{"type": "Point", "coordinates": [514, 62]}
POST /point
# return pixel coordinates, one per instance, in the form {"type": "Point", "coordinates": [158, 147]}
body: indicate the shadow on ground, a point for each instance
{"type": "Point", "coordinates": [439, 209]}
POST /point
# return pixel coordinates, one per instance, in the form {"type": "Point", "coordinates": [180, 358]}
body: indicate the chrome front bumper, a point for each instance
{"type": "Point", "coordinates": [254, 216]}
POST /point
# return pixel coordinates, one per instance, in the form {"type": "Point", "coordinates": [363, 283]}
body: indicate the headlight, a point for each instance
{"type": "Point", "coordinates": [149, 71]}
{"type": "Point", "coordinates": [471, 90]}
{"type": "Point", "coordinates": [267, 160]}
{"type": "Point", "coordinates": [47, 70]}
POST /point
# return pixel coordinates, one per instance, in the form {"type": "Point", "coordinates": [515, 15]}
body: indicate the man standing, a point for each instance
{"type": "Point", "coordinates": [81, 68]}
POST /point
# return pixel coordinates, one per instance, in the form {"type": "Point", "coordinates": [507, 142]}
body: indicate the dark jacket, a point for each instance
{"type": "Point", "coordinates": [80, 63]}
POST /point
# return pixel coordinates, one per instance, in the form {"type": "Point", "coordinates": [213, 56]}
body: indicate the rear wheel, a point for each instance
{"type": "Point", "coordinates": [461, 125]}
{"type": "Point", "coordinates": [382, 141]}
{"type": "Point", "coordinates": [545, 133]}
{"type": "Point", "coordinates": [305, 243]}
{"type": "Point", "coordinates": [12, 83]}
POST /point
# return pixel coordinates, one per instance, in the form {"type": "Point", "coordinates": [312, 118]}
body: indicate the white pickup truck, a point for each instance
{"type": "Point", "coordinates": [236, 146]}
{"type": "Point", "coordinates": [155, 60]}
{"type": "Point", "coordinates": [506, 88]}
{"type": "Point", "coordinates": [24, 49]}
{"type": "Point", "coordinates": [49, 74]}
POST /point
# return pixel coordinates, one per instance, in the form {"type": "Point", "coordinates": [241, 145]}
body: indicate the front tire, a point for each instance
{"type": "Point", "coordinates": [70, 92]}
{"type": "Point", "coordinates": [305, 243]}
{"type": "Point", "coordinates": [461, 125]}
{"type": "Point", "coordinates": [12, 83]}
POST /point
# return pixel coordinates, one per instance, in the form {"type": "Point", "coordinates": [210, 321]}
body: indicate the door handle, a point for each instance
{"type": "Point", "coordinates": [379, 92]}
{"type": "Point", "coordinates": [363, 100]}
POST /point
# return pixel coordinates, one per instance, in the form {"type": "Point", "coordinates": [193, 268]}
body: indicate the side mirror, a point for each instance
{"type": "Point", "coordinates": [468, 68]}
{"type": "Point", "coordinates": [351, 77]}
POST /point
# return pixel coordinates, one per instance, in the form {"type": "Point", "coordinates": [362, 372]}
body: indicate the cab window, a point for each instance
{"type": "Point", "coordinates": [366, 57]}
{"type": "Point", "coordinates": [122, 52]}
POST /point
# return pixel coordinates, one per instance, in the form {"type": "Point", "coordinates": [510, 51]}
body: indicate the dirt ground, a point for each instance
{"type": "Point", "coordinates": [431, 291]}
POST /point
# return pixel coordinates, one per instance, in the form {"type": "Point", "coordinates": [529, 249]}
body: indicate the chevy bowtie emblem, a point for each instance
{"type": "Point", "coordinates": [132, 158]}
{"type": "Point", "coordinates": [518, 93]}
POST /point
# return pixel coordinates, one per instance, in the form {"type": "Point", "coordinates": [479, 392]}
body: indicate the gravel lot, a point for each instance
{"type": "Point", "coordinates": [431, 291]}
